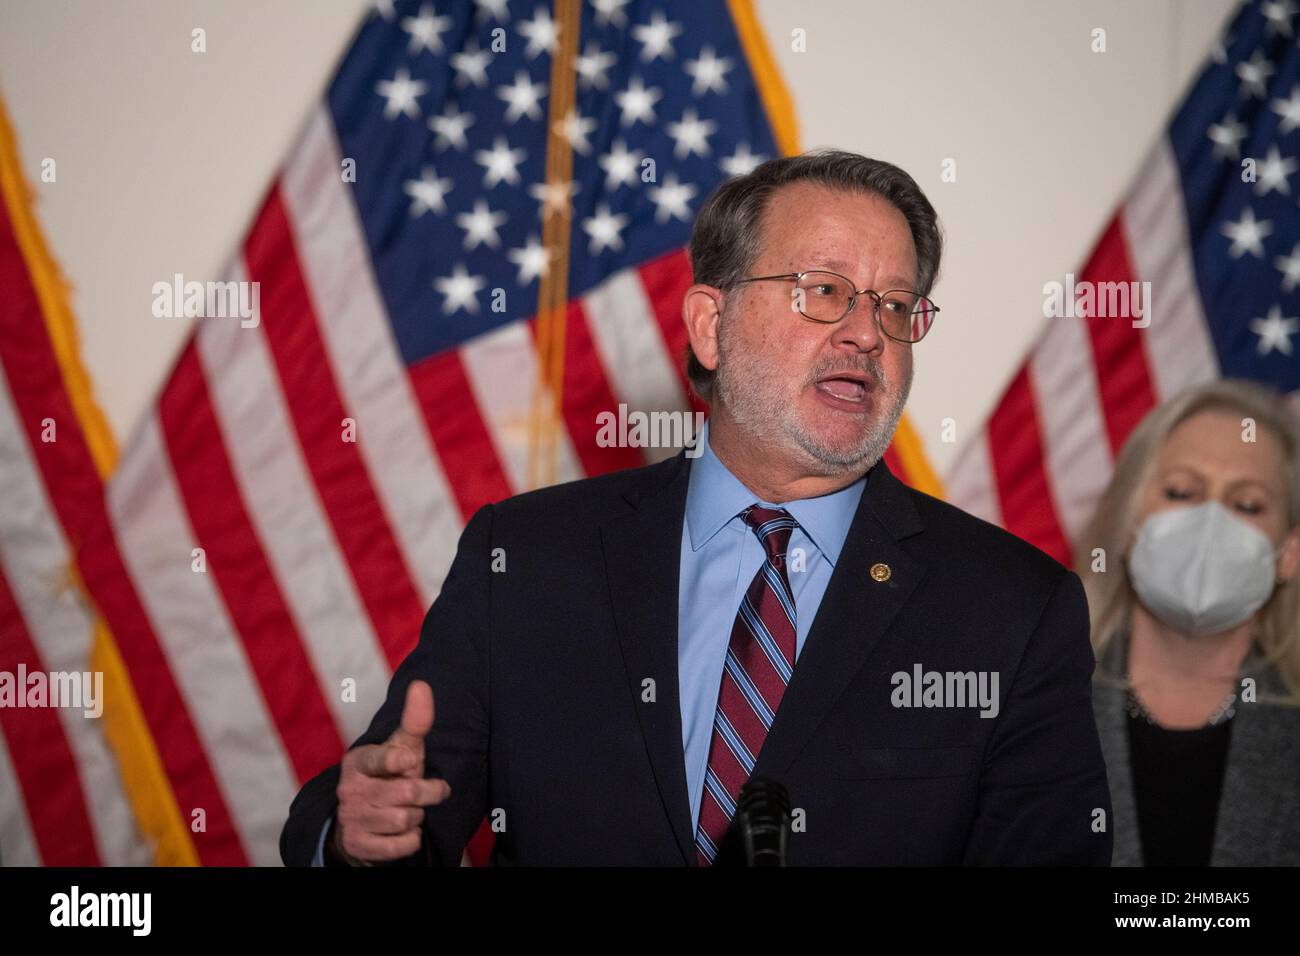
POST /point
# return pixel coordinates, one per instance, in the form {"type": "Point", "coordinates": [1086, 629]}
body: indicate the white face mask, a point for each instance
{"type": "Point", "coordinates": [1202, 569]}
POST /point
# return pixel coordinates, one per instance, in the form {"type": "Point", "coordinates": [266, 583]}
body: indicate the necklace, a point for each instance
{"type": "Point", "coordinates": [1225, 710]}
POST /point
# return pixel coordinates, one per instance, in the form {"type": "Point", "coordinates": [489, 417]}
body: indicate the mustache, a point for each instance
{"type": "Point", "coordinates": [870, 367]}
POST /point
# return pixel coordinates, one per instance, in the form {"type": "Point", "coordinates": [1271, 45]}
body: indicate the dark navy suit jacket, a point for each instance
{"type": "Point", "coordinates": [556, 709]}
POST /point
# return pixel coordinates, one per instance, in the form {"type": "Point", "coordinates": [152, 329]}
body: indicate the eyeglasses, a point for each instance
{"type": "Point", "coordinates": [828, 297]}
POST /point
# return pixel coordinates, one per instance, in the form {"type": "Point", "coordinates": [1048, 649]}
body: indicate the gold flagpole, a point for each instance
{"type": "Point", "coordinates": [544, 425]}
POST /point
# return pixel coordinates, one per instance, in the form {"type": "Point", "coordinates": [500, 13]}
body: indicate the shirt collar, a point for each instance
{"type": "Point", "coordinates": [714, 496]}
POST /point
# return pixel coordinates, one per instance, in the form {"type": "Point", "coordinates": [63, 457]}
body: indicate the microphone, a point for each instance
{"type": "Point", "coordinates": [763, 818]}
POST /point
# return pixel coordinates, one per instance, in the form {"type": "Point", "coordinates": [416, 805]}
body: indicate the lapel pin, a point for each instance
{"type": "Point", "coordinates": [880, 571]}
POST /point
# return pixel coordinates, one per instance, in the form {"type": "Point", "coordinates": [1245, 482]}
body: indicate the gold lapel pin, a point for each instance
{"type": "Point", "coordinates": [880, 571]}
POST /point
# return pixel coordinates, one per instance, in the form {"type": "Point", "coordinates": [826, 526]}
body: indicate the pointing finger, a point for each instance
{"type": "Point", "coordinates": [387, 760]}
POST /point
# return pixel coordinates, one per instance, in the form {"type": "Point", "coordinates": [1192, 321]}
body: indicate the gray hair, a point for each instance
{"type": "Point", "coordinates": [727, 237]}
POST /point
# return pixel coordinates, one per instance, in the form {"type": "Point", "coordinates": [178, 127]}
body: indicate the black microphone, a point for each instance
{"type": "Point", "coordinates": [763, 818]}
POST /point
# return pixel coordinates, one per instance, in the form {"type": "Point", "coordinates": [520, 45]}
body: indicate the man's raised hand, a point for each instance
{"type": "Point", "coordinates": [382, 791]}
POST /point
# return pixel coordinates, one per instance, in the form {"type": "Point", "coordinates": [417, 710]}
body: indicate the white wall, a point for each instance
{"type": "Point", "coordinates": [162, 154]}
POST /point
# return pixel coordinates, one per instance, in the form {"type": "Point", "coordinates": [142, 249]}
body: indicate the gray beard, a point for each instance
{"type": "Point", "coordinates": [770, 419]}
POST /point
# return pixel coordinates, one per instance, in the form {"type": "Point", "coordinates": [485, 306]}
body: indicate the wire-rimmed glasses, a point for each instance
{"type": "Point", "coordinates": [828, 297]}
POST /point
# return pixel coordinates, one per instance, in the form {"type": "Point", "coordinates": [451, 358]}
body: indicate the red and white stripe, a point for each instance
{"type": "Point", "coordinates": [399, 453]}
{"type": "Point", "coordinates": [301, 551]}
{"type": "Point", "coordinates": [203, 650]}
{"type": "Point", "coordinates": [17, 837]}
{"type": "Point", "coordinates": [1179, 351]}
{"type": "Point", "coordinates": [502, 368]}
{"type": "Point", "coordinates": [1047, 451]}
{"type": "Point", "coordinates": [61, 799]}
{"type": "Point", "coordinates": [631, 348]}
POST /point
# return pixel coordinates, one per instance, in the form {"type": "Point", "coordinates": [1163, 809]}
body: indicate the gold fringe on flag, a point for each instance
{"type": "Point", "coordinates": [143, 778]}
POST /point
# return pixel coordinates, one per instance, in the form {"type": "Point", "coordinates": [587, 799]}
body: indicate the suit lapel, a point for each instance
{"type": "Point", "coordinates": [642, 562]}
{"type": "Point", "coordinates": [854, 614]}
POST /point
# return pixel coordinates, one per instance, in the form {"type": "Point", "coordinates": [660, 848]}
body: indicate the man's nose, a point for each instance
{"type": "Point", "coordinates": [859, 329]}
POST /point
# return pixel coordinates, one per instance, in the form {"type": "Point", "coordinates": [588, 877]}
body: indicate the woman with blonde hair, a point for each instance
{"type": "Point", "coordinates": [1190, 566]}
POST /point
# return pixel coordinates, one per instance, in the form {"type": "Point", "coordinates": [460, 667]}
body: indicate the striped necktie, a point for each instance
{"type": "Point", "coordinates": [760, 661]}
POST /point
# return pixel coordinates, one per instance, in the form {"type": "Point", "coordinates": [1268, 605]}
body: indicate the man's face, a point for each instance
{"type": "Point", "coordinates": [828, 395]}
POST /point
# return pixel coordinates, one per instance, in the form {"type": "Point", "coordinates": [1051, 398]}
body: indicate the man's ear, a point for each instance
{"type": "Point", "coordinates": [701, 308]}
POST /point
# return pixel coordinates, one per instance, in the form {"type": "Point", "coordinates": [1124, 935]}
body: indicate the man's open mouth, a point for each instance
{"type": "Point", "coordinates": [846, 386]}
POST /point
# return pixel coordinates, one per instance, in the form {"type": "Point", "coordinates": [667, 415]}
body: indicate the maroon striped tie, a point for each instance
{"type": "Point", "coordinates": [760, 661]}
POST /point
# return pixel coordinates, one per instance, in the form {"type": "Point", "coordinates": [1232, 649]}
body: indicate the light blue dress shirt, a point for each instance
{"type": "Point", "coordinates": [720, 555]}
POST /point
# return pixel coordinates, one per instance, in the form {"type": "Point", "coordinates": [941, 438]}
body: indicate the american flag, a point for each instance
{"type": "Point", "coordinates": [1212, 223]}
{"type": "Point", "coordinates": [483, 220]}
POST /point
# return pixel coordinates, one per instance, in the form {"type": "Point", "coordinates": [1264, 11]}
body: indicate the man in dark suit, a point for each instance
{"type": "Point", "coordinates": [612, 659]}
